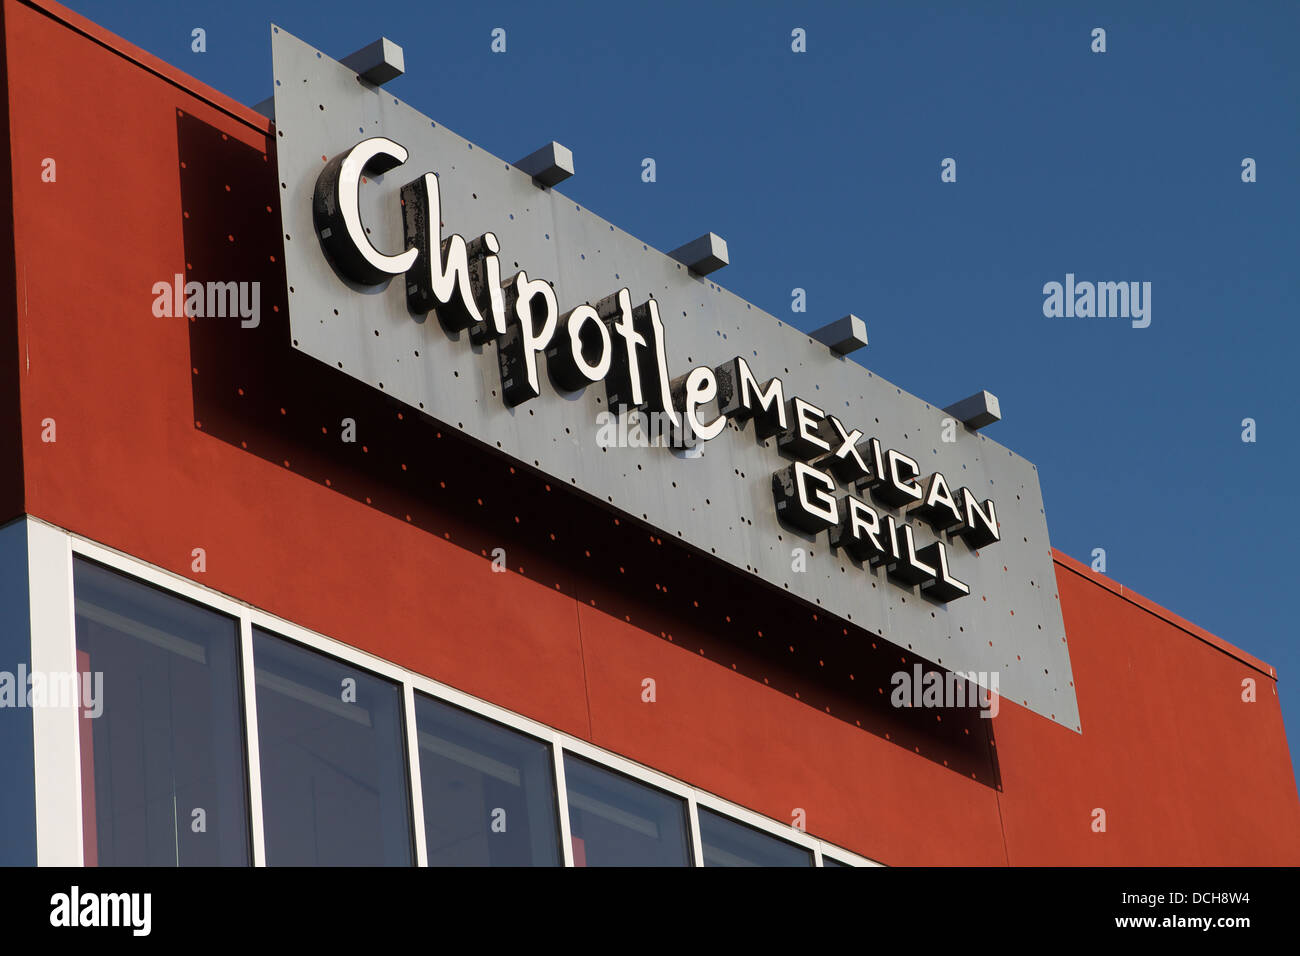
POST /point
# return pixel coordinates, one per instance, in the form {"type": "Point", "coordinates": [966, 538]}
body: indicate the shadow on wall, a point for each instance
{"type": "Point", "coordinates": [252, 389]}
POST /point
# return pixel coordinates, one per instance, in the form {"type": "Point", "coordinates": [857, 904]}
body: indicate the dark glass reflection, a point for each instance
{"type": "Point", "coordinates": [334, 783]}
{"type": "Point", "coordinates": [166, 752]}
{"type": "Point", "coordinates": [727, 842]}
{"type": "Point", "coordinates": [488, 791]}
{"type": "Point", "coordinates": [616, 821]}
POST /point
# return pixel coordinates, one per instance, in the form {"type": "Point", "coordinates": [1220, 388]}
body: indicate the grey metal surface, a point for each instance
{"type": "Point", "coordinates": [719, 498]}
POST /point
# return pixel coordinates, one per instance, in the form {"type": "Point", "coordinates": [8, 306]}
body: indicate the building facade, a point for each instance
{"type": "Point", "coordinates": [264, 609]}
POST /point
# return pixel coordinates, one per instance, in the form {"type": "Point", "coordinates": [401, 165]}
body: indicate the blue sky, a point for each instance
{"type": "Point", "coordinates": [1122, 166]}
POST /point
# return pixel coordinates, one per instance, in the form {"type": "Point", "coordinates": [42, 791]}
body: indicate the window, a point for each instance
{"type": "Point", "coordinates": [334, 783]}
{"type": "Point", "coordinates": [488, 791]}
{"type": "Point", "coordinates": [164, 751]}
{"type": "Point", "coordinates": [616, 821]}
{"type": "Point", "coordinates": [161, 727]}
{"type": "Point", "coordinates": [728, 843]}
{"type": "Point", "coordinates": [17, 744]}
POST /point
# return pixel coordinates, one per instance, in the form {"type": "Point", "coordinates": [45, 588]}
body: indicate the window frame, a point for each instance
{"type": "Point", "coordinates": [241, 661]}
{"type": "Point", "coordinates": [691, 821]}
{"type": "Point", "coordinates": [403, 718]}
{"type": "Point", "coordinates": [50, 559]}
{"type": "Point", "coordinates": [561, 815]}
{"type": "Point", "coordinates": [812, 857]}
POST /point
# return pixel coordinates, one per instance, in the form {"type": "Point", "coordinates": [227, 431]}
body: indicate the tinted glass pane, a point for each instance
{"type": "Point", "coordinates": [489, 791]}
{"type": "Point", "coordinates": [166, 753]}
{"type": "Point", "coordinates": [831, 861]}
{"type": "Point", "coordinates": [334, 786]}
{"type": "Point", "coordinates": [616, 821]}
{"type": "Point", "coordinates": [17, 753]}
{"type": "Point", "coordinates": [729, 843]}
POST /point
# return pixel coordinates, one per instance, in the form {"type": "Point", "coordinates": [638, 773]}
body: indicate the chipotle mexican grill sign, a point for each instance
{"type": "Point", "coordinates": [449, 279]}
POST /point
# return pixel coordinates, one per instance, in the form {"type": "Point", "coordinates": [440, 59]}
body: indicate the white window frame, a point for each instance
{"type": "Point", "coordinates": [57, 744]}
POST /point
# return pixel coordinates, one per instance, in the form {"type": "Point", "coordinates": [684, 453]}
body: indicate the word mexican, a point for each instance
{"type": "Point", "coordinates": [212, 300]}
{"type": "Point", "coordinates": [623, 345]}
{"type": "Point", "coordinates": [1103, 300]}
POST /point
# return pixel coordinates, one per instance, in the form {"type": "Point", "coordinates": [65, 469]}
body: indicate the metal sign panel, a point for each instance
{"type": "Point", "coordinates": [718, 497]}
